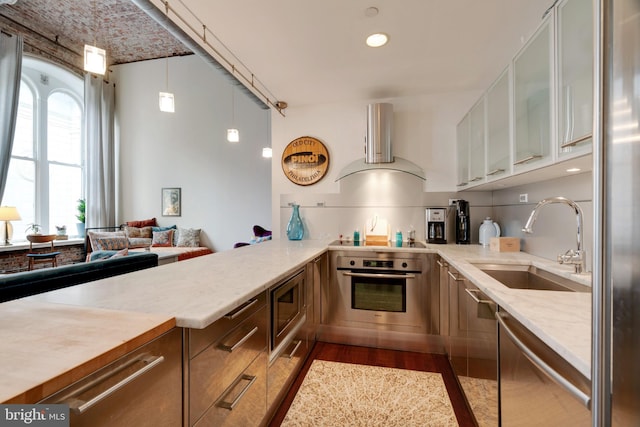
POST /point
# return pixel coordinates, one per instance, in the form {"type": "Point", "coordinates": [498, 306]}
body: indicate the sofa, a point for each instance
{"type": "Point", "coordinates": [23, 284]}
{"type": "Point", "coordinates": [171, 242]}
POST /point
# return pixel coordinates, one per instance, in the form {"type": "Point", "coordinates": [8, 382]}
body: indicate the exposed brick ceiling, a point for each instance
{"type": "Point", "coordinates": [60, 28]}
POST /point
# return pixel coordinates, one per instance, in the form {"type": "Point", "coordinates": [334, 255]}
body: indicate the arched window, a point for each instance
{"type": "Point", "coordinates": [47, 161]}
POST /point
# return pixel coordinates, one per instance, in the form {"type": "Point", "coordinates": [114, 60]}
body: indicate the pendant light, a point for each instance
{"type": "Point", "coordinates": [166, 100]}
{"type": "Point", "coordinates": [232, 133]}
{"type": "Point", "coordinates": [95, 58]}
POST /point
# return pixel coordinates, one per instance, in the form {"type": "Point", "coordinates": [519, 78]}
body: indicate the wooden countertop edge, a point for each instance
{"type": "Point", "coordinates": [56, 384]}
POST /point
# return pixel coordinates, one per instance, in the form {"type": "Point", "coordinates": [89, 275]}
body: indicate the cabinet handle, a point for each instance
{"type": "Point", "coordinates": [230, 405]}
{"type": "Point", "coordinates": [293, 352]}
{"type": "Point", "coordinates": [461, 184]}
{"type": "Point", "coordinates": [477, 178]}
{"type": "Point", "coordinates": [230, 349]}
{"type": "Point", "coordinates": [576, 141]}
{"type": "Point", "coordinates": [528, 159]}
{"type": "Point", "coordinates": [442, 264]}
{"type": "Point", "coordinates": [380, 275]}
{"type": "Point", "coordinates": [543, 366]}
{"type": "Point", "coordinates": [80, 406]}
{"type": "Point", "coordinates": [238, 311]}
{"type": "Point", "coordinates": [472, 293]}
{"type": "Point", "coordinates": [495, 172]}
{"type": "Point", "coordinates": [454, 277]}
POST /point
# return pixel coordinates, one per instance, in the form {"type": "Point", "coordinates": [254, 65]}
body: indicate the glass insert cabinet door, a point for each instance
{"type": "Point", "coordinates": [575, 76]}
{"type": "Point", "coordinates": [533, 99]}
{"type": "Point", "coordinates": [498, 130]}
{"type": "Point", "coordinates": [477, 143]}
{"type": "Point", "coordinates": [462, 152]}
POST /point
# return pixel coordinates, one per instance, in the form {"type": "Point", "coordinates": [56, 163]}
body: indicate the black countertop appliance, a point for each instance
{"type": "Point", "coordinates": [462, 224]}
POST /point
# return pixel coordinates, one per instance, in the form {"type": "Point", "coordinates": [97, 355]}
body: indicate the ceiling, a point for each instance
{"type": "Point", "coordinates": [117, 26]}
{"type": "Point", "coordinates": [313, 52]}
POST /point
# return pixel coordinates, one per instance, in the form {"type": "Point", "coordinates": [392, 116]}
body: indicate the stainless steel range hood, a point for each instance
{"type": "Point", "coordinates": [378, 149]}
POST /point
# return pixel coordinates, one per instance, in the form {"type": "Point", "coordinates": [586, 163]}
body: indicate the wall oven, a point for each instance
{"type": "Point", "coordinates": [287, 308]}
{"type": "Point", "coordinates": [378, 290]}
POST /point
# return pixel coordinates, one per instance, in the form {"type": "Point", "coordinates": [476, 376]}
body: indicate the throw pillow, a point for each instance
{"type": "Point", "coordinates": [162, 238]}
{"type": "Point", "coordinates": [133, 232]}
{"type": "Point", "coordinates": [171, 227]}
{"type": "Point", "coordinates": [107, 240]}
{"type": "Point", "coordinates": [189, 237]}
{"type": "Point", "coordinates": [143, 223]}
{"type": "Point", "coordinates": [139, 242]}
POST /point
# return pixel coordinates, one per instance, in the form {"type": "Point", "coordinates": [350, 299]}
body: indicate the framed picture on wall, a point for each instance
{"type": "Point", "coordinates": [171, 202]}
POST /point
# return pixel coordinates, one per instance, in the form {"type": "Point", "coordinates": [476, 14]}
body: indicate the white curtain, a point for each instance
{"type": "Point", "coordinates": [10, 71]}
{"type": "Point", "coordinates": [99, 104]}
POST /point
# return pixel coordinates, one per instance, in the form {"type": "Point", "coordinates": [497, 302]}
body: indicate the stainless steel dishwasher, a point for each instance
{"type": "Point", "coordinates": [142, 388]}
{"type": "Point", "coordinates": [537, 386]}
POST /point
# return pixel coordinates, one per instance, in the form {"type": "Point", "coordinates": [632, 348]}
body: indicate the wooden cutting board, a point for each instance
{"type": "Point", "coordinates": [47, 346]}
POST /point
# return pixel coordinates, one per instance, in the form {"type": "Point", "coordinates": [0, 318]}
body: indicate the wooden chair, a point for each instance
{"type": "Point", "coordinates": [42, 257]}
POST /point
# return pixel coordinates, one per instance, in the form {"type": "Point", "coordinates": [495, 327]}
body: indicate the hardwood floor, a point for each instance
{"type": "Point", "coordinates": [386, 358]}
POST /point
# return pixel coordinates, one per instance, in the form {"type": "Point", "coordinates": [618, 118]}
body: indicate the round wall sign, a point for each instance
{"type": "Point", "coordinates": [305, 160]}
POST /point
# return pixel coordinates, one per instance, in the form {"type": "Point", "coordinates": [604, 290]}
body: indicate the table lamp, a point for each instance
{"type": "Point", "coordinates": [8, 214]}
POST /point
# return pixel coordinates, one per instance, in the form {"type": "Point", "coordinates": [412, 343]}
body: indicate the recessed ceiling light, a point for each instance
{"type": "Point", "coordinates": [370, 12]}
{"type": "Point", "coordinates": [377, 40]}
{"type": "Point", "coordinates": [570, 170]}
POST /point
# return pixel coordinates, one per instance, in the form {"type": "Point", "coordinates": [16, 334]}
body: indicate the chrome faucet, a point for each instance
{"type": "Point", "coordinates": [575, 257]}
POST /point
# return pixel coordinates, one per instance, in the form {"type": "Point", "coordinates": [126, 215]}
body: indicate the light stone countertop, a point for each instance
{"type": "Point", "coordinates": [199, 291]}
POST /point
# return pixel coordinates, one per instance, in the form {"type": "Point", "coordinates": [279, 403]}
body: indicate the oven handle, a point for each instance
{"type": "Point", "coordinates": [380, 275]}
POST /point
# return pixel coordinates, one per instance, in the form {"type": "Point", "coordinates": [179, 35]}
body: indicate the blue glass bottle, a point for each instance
{"type": "Point", "coordinates": [295, 229]}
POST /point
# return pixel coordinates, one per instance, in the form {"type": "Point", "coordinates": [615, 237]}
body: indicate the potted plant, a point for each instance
{"type": "Point", "coordinates": [81, 216]}
{"type": "Point", "coordinates": [35, 229]}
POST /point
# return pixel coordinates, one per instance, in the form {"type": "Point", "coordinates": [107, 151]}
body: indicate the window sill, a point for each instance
{"type": "Point", "coordinates": [22, 245]}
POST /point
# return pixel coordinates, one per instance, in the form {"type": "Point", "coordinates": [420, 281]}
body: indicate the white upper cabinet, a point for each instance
{"type": "Point", "coordinates": [575, 77]}
{"type": "Point", "coordinates": [477, 143]}
{"type": "Point", "coordinates": [533, 96]}
{"type": "Point", "coordinates": [462, 152]}
{"type": "Point", "coordinates": [498, 128]}
{"type": "Point", "coordinates": [538, 114]}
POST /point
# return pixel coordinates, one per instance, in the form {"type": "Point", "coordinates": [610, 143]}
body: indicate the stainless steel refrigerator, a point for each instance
{"type": "Point", "coordinates": [616, 272]}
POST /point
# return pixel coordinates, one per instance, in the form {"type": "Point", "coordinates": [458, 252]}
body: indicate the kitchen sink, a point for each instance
{"type": "Point", "coordinates": [516, 276]}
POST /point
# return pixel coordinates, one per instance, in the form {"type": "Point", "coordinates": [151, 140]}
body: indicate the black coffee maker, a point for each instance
{"type": "Point", "coordinates": [462, 224]}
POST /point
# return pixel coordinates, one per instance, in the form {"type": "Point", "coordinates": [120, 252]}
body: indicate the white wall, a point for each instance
{"type": "Point", "coordinates": [424, 132]}
{"type": "Point", "coordinates": [226, 188]}
{"type": "Point", "coordinates": [555, 229]}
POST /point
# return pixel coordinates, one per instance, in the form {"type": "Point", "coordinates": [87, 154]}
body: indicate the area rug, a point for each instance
{"type": "Point", "coordinates": [345, 394]}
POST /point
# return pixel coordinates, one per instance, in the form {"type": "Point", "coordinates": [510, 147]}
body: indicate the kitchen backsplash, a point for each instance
{"type": "Point", "coordinates": [400, 199]}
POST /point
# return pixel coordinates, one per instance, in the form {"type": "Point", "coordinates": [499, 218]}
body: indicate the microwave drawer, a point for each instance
{"type": "Point", "coordinates": [242, 402]}
{"type": "Point", "coordinates": [199, 339]}
{"type": "Point", "coordinates": [217, 366]}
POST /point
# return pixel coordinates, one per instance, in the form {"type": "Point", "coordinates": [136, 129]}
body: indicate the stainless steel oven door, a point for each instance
{"type": "Point", "coordinates": [385, 300]}
{"type": "Point", "coordinates": [287, 304]}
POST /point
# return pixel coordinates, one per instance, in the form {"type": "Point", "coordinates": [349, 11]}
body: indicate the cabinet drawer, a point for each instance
{"type": "Point", "coordinates": [222, 362]}
{"type": "Point", "coordinates": [242, 401]}
{"type": "Point", "coordinates": [141, 388]}
{"type": "Point", "coordinates": [284, 368]}
{"type": "Point", "coordinates": [199, 339]}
